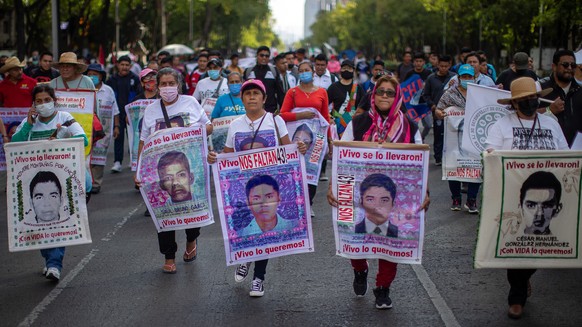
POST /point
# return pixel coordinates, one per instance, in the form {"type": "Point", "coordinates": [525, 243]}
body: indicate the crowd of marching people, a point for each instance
{"type": "Point", "coordinates": [361, 99]}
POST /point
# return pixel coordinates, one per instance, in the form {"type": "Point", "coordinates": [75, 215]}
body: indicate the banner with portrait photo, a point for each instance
{"type": "Point", "coordinates": [12, 117]}
{"type": "Point", "coordinates": [81, 105]}
{"type": "Point", "coordinates": [106, 116]}
{"type": "Point", "coordinates": [134, 116]}
{"type": "Point", "coordinates": [175, 178]}
{"type": "Point", "coordinates": [412, 89]}
{"type": "Point", "coordinates": [312, 132]}
{"type": "Point", "coordinates": [220, 130]}
{"type": "Point", "coordinates": [481, 112]}
{"type": "Point", "coordinates": [46, 194]}
{"type": "Point", "coordinates": [531, 212]}
{"type": "Point", "coordinates": [379, 189]}
{"type": "Point", "coordinates": [263, 203]}
{"type": "Point", "coordinates": [458, 164]}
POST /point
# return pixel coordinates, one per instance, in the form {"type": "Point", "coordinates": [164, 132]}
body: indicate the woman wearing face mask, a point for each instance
{"type": "Point", "coordinates": [306, 95]}
{"type": "Point", "coordinates": [44, 120]}
{"type": "Point", "coordinates": [149, 85]}
{"type": "Point", "coordinates": [534, 132]}
{"type": "Point", "coordinates": [180, 109]}
{"type": "Point", "coordinates": [384, 122]}
{"type": "Point", "coordinates": [230, 104]}
{"type": "Point", "coordinates": [456, 97]}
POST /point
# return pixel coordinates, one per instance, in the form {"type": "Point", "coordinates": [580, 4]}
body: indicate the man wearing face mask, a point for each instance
{"type": "Point", "coordinates": [210, 88]}
{"type": "Point", "coordinates": [291, 67]}
{"type": "Point", "coordinates": [524, 129]}
{"type": "Point", "coordinates": [126, 86]}
{"type": "Point", "coordinates": [345, 96]}
{"type": "Point", "coordinates": [108, 113]}
{"type": "Point", "coordinates": [566, 93]}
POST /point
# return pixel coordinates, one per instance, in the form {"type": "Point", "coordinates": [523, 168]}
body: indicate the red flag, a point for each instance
{"type": "Point", "coordinates": [101, 56]}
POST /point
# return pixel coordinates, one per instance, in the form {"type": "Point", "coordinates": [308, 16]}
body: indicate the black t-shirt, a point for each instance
{"type": "Point", "coordinates": [508, 75]}
{"type": "Point", "coordinates": [423, 74]}
{"type": "Point", "coordinates": [337, 93]}
{"type": "Point", "coordinates": [44, 76]}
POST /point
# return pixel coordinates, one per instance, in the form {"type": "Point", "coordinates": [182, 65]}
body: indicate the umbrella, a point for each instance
{"type": "Point", "coordinates": [177, 49]}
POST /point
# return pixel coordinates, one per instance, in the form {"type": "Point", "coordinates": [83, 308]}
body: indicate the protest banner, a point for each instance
{"type": "Point", "coordinates": [220, 130]}
{"type": "Point", "coordinates": [458, 164]}
{"type": "Point", "coordinates": [263, 203]}
{"type": "Point", "coordinates": [411, 93]}
{"type": "Point", "coordinates": [105, 114]}
{"type": "Point", "coordinates": [134, 112]}
{"type": "Point", "coordinates": [481, 112]}
{"type": "Point", "coordinates": [175, 178]}
{"type": "Point", "coordinates": [12, 117]}
{"type": "Point", "coordinates": [46, 194]}
{"type": "Point", "coordinates": [530, 216]}
{"type": "Point", "coordinates": [81, 105]}
{"type": "Point", "coordinates": [208, 105]}
{"type": "Point", "coordinates": [379, 189]}
{"type": "Point", "coordinates": [312, 132]}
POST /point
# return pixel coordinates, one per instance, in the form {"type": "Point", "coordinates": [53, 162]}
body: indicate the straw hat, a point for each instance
{"type": "Point", "coordinates": [71, 59]}
{"type": "Point", "coordinates": [10, 63]}
{"type": "Point", "coordinates": [522, 88]}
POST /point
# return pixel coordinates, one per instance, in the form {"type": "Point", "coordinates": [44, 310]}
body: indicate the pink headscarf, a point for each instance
{"type": "Point", "coordinates": [395, 128]}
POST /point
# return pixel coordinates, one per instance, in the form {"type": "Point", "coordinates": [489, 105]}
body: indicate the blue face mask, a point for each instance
{"type": "Point", "coordinates": [306, 77]}
{"type": "Point", "coordinates": [465, 82]}
{"type": "Point", "coordinates": [95, 79]}
{"type": "Point", "coordinates": [214, 74]}
{"type": "Point", "coordinates": [234, 88]}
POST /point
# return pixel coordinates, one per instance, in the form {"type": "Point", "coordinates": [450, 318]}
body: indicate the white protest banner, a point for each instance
{"type": "Point", "coordinates": [263, 203]}
{"type": "Point", "coordinates": [134, 113]}
{"type": "Point", "coordinates": [458, 164]}
{"type": "Point", "coordinates": [105, 114]}
{"type": "Point", "coordinates": [380, 189]}
{"type": "Point", "coordinates": [220, 130]}
{"type": "Point", "coordinates": [175, 178]}
{"type": "Point", "coordinates": [208, 105]}
{"type": "Point", "coordinates": [530, 216]}
{"type": "Point", "coordinates": [81, 105]}
{"type": "Point", "coordinates": [46, 194]}
{"type": "Point", "coordinates": [312, 132]}
{"type": "Point", "coordinates": [481, 112]}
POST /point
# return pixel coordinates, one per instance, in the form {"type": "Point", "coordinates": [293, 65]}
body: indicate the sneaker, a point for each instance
{"type": "Point", "coordinates": [116, 167]}
{"type": "Point", "coordinates": [323, 178]}
{"type": "Point", "coordinates": [312, 214]}
{"type": "Point", "coordinates": [44, 270]}
{"type": "Point", "coordinates": [383, 300]}
{"type": "Point", "coordinates": [456, 206]}
{"type": "Point", "coordinates": [438, 163]}
{"type": "Point", "coordinates": [95, 190]}
{"type": "Point", "coordinates": [241, 272]}
{"type": "Point", "coordinates": [53, 274]}
{"type": "Point", "coordinates": [257, 288]}
{"type": "Point", "coordinates": [471, 205]}
{"type": "Point", "coordinates": [147, 213]}
{"type": "Point", "coordinates": [360, 282]}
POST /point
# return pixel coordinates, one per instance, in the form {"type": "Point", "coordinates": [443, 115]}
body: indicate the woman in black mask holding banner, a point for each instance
{"type": "Point", "coordinates": [524, 129]}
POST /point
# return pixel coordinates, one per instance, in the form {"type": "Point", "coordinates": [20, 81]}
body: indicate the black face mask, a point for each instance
{"type": "Point", "coordinates": [528, 107]}
{"type": "Point", "coordinates": [290, 66]}
{"type": "Point", "coordinates": [347, 75]}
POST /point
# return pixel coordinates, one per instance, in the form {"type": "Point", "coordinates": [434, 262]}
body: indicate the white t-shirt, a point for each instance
{"type": "Point", "coordinates": [42, 131]}
{"type": "Point", "coordinates": [348, 135]}
{"type": "Point", "coordinates": [106, 98]}
{"type": "Point", "coordinates": [509, 134]}
{"type": "Point", "coordinates": [206, 88]}
{"type": "Point", "coordinates": [240, 134]}
{"type": "Point", "coordinates": [184, 112]}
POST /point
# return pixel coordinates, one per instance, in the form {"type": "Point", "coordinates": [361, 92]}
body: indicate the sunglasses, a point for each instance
{"type": "Point", "coordinates": [264, 55]}
{"type": "Point", "coordinates": [568, 64]}
{"type": "Point", "coordinates": [389, 93]}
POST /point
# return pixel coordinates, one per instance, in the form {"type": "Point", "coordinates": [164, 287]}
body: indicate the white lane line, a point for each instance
{"type": "Point", "coordinates": [447, 315]}
{"type": "Point", "coordinates": [29, 320]}
{"type": "Point", "coordinates": [33, 315]}
{"type": "Point", "coordinates": [119, 225]}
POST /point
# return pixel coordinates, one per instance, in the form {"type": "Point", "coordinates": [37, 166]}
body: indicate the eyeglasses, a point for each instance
{"type": "Point", "coordinates": [264, 55]}
{"type": "Point", "coordinates": [389, 93]}
{"type": "Point", "coordinates": [568, 64]}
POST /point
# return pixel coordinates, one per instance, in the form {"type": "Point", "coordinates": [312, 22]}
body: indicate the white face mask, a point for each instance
{"type": "Point", "coordinates": [46, 109]}
{"type": "Point", "coordinates": [169, 93]}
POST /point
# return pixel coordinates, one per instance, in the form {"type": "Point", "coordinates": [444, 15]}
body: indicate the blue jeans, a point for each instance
{"type": "Point", "coordinates": [53, 257]}
{"type": "Point", "coordinates": [472, 190]}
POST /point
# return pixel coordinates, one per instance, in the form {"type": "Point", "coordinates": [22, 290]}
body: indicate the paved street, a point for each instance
{"type": "Point", "coordinates": [117, 280]}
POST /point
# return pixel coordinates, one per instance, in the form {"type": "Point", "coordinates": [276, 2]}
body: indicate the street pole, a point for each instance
{"type": "Point", "coordinates": [444, 50]}
{"type": "Point", "coordinates": [191, 26]}
{"type": "Point", "coordinates": [55, 26]}
{"type": "Point", "coordinates": [116, 27]}
{"type": "Point", "coordinates": [163, 12]}
{"type": "Point", "coordinates": [540, 40]}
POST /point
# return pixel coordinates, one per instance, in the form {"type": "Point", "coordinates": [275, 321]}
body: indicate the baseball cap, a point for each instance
{"type": "Point", "coordinates": [145, 72]}
{"type": "Point", "coordinates": [466, 69]}
{"type": "Point", "coordinates": [348, 62]}
{"type": "Point", "coordinates": [253, 84]}
{"type": "Point", "coordinates": [520, 60]}
{"type": "Point", "coordinates": [215, 61]}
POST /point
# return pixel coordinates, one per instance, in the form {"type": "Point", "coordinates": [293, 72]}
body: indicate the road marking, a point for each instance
{"type": "Point", "coordinates": [29, 320]}
{"type": "Point", "coordinates": [33, 315]}
{"type": "Point", "coordinates": [447, 315]}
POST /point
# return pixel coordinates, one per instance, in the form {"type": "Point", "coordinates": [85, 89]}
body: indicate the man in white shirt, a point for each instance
{"type": "Point", "coordinates": [211, 87]}
{"type": "Point", "coordinates": [474, 60]}
{"type": "Point", "coordinates": [322, 77]}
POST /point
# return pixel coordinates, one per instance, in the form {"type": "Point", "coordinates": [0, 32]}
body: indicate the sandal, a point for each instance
{"type": "Point", "coordinates": [169, 268]}
{"type": "Point", "coordinates": [191, 256]}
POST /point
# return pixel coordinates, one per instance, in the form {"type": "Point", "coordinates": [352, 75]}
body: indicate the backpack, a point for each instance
{"type": "Point", "coordinates": [250, 69]}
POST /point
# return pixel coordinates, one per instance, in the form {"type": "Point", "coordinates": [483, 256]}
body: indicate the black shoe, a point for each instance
{"type": "Point", "coordinates": [95, 190]}
{"type": "Point", "coordinates": [147, 213]}
{"type": "Point", "coordinates": [360, 282]}
{"type": "Point", "coordinates": [383, 300]}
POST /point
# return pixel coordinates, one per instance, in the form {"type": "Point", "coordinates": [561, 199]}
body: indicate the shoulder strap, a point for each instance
{"type": "Point", "coordinates": [276, 129]}
{"type": "Point", "coordinates": [215, 95]}
{"type": "Point", "coordinates": [165, 113]}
